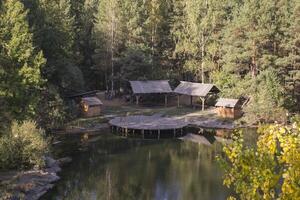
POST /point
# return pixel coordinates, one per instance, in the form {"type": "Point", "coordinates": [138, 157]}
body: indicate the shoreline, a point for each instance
{"type": "Point", "coordinates": [32, 184]}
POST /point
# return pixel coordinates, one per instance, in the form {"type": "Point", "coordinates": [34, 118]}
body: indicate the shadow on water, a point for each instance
{"type": "Point", "coordinates": [118, 168]}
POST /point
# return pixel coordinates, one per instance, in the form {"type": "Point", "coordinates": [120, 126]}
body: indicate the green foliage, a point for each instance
{"type": "Point", "coordinates": [246, 47]}
{"type": "Point", "coordinates": [20, 62]}
{"type": "Point", "coordinates": [23, 147]}
{"type": "Point", "coordinates": [54, 33]}
{"type": "Point", "coordinates": [135, 65]}
{"type": "Point", "coordinates": [198, 34]}
{"type": "Point", "coordinates": [271, 170]}
{"type": "Point", "coordinates": [265, 91]}
{"type": "Point", "coordinates": [231, 85]}
{"type": "Point", "coordinates": [267, 99]}
{"type": "Point", "coordinates": [51, 109]}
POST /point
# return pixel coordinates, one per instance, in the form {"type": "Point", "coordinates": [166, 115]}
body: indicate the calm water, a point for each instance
{"type": "Point", "coordinates": [114, 168]}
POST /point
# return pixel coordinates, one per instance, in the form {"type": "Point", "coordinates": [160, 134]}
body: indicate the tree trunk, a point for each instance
{"type": "Point", "coordinates": [202, 57]}
{"type": "Point", "coordinates": [112, 51]}
{"type": "Point", "coordinates": [152, 50]}
{"type": "Point", "coordinates": [254, 62]}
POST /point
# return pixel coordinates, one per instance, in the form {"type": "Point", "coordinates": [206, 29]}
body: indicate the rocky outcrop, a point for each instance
{"type": "Point", "coordinates": [31, 185]}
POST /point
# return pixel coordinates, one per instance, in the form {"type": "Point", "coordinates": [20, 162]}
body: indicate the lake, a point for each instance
{"type": "Point", "coordinates": [114, 168]}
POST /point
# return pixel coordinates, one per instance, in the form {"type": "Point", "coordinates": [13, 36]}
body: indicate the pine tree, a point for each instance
{"type": "Point", "coordinates": [53, 25]}
{"type": "Point", "coordinates": [151, 27]}
{"type": "Point", "coordinates": [20, 64]}
{"type": "Point", "coordinates": [251, 38]}
{"type": "Point", "coordinates": [109, 38]}
{"type": "Point", "coordinates": [289, 50]}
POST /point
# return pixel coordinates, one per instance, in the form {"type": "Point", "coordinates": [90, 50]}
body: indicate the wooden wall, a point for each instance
{"type": "Point", "coordinates": [231, 113]}
{"type": "Point", "coordinates": [91, 111]}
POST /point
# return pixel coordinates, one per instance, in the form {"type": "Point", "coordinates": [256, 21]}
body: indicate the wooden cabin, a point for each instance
{"type": "Point", "coordinates": [229, 108]}
{"type": "Point", "coordinates": [91, 106]}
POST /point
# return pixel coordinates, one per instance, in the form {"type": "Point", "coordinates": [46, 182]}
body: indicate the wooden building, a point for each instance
{"type": "Point", "coordinates": [199, 90]}
{"type": "Point", "coordinates": [91, 106]}
{"type": "Point", "coordinates": [229, 108]}
{"type": "Point", "coordinates": [140, 88]}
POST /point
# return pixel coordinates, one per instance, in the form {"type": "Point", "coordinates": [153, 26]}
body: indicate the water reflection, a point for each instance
{"type": "Point", "coordinates": [115, 169]}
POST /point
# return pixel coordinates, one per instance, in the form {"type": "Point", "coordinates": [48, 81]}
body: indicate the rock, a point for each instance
{"type": "Point", "coordinates": [52, 166]}
{"type": "Point", "coordinates": [50, 162]}
{"type": "Point", "coordinates": [38, 191]}
{"type": "Point", "coordinates": [34, 183]}
{"type": "Point", "coordinates": [54, 169]}
{"type": "Point", "coordinates": [56, 142]}
{"type": "Point", "coordinates": [64, 161]}
{"type": "Point", "coordinates": [6, 176]}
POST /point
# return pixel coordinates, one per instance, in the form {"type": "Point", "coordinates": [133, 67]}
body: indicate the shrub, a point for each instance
{"type": "Point", "coordinates": [270, 170]}
{"type": "Point", "coordinates": [23, 146]}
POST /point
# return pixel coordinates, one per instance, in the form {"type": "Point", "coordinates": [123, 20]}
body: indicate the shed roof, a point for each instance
{"type": "Point", "coordinates": [83, 94]}
{"type": "Point", "coordinates": [195, 89]}
{"type": "Point", "coordinates": [229, 103]}
{"type": "Point", "coordinates": [153, 86]}
{"type": "Point", "coordinates": [92, 101]}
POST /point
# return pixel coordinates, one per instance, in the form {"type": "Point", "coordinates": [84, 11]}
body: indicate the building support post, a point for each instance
{"type": "Point", "coordinates": [166, 100]}
{"type": "Point", "coordinates": [126, 132]}
{"type": "Point", "coordinates": [203, 103]}
{"type": "Point", "coordinates": [191, 100]}
{"type": "Point", "coordinates": [178, 101]}
{"type": "Point", "coordinates": [143, 133]}
{"type": "Point", "coordinates": [158, 134]}
{"type": "Point", "coordinates": [137, 99]}
{"type": "Point", "coordinates": [174, 133]}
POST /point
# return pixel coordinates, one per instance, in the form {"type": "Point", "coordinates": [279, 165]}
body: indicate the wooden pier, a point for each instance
{"type": "Point", "coordinates": [148, 126]}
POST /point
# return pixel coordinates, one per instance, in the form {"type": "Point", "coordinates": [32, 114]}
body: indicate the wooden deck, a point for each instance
{"type": "Point", "coordinates": [148, 126]}
{"type": "Point", "coordinates": [137, 125]}
{"type": "Point", "coordinates": [141, 122]}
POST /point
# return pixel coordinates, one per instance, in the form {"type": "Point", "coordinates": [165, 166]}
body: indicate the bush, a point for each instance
{"type": "Point", "coordinates": [23, 147]}
{"type": "Point", "coordinates": [268, 170]}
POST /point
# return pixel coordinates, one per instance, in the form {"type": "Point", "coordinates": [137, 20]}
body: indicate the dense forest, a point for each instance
{"type": "Point", "coordinates": [50, 49]}
{"type": "Point", "coordinates": [250, 49]}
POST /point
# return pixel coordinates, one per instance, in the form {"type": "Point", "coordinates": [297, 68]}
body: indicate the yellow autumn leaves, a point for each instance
{"type": "Point", "coordinates": [270, 169]}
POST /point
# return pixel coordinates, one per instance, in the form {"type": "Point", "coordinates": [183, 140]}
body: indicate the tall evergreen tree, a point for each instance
{"type": "Point", "coordinates": [108, 34]}
{"type": "Point", "coordinates": [21, 63]}
{"type": "Point", "coordinates": [289, 50]}
{"type": "Point", "coordinates": [250, 40]}
{"type": "Point", "coordinates": [198, 33]}
{"type": "Point", "coordinates": [53, 30]}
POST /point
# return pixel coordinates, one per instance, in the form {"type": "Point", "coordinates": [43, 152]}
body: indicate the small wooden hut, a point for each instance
{"type": "Point", "coordinates": [140, 88]}
{"type": "Point", "coordinates": [91, 106]}
{"type": "Point", "coordinates": [229, 108]}
{"type": "Point", "coordinates": [199, 90]}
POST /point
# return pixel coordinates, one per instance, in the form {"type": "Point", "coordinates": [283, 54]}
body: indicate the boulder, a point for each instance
{"type": "Point", "coordinates": [64, 161]}
{"type": "Point", "coordinates": [34, 183]}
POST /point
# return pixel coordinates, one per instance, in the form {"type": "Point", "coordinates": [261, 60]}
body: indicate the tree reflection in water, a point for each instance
{"type": "Point", "coordinates": [115, 169]}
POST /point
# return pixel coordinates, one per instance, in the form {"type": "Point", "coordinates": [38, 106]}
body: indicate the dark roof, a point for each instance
{"type": "Point", "coordinates": [195, 89]}
{"type": "Point", "coordinates": [91, 101]}
{"type": "Point", "coordinates": [83, 94]}
{"type": "Point", "coordinates": [229, 103]}
{"type": "Point", "coordinates": [150, 87]}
